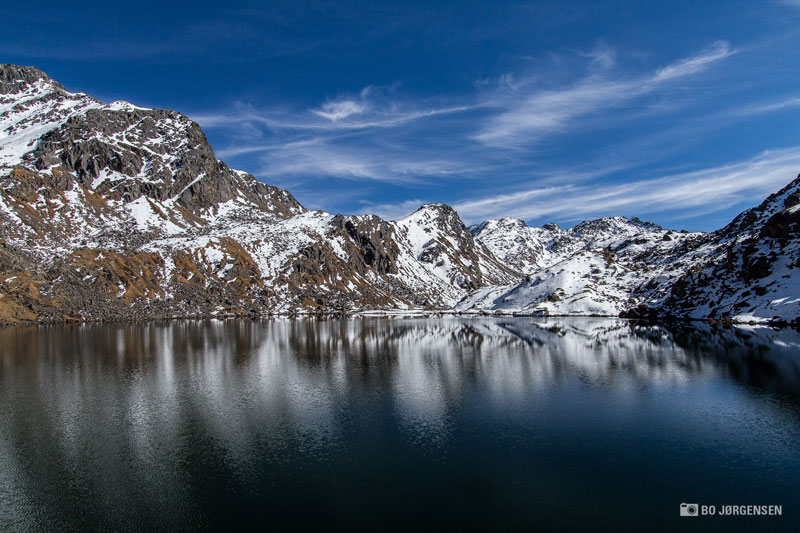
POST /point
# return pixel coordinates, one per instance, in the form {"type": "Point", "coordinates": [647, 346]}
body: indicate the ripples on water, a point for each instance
{"type": "Point", "coordinates": [395, 424]}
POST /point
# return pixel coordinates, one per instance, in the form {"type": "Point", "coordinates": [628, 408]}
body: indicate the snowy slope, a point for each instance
{"type": "Point", "coordinates": [745, 272]}
{"type": "Point", "coordinates": [590, 269]}
{"type": "Point", "coordinates": [32, 105]}
{"type": "Point", "coordinates": [750, 269]}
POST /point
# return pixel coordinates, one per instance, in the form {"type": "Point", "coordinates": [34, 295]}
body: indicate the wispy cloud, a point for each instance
{"type": "Point", "coordinates": [601, 55]}
{"type": "Point", "coordinates": [691, 65]}
{"type": "Point", "coordinates": [339, 138]}
{"type": "Point", "coordinates": [495, 136]}
{"type": "Point", "coordinates": [353, 163]}
{"type": "Point", "coordinates": [335, 115]}
{"type": "Point", "coordinates": [769, 107]}
{"type": "Point", "coordinates": [526, 118]}
{"type": "Point", "coordinates": [335, 111]}
{"type": "Point", "coordinates": [703, 191]}
{"type": "Point", "coordinates": [268, 147]}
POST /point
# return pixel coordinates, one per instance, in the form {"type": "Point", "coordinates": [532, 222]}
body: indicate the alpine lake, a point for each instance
{"type": "Point", "coordinates": [374, 424]}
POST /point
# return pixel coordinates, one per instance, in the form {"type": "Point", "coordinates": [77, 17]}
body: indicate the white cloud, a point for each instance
{"type": "Point", "coordinates": [389, 116]}
{"type": "Point", "coordinates": [335, 111]}
{"type": "Point", "coordinates": [321, 160]}
{"type": "Point", "coordinates": [602, 55]}
{"type": "Point", "coordinates": [707, 190]}
{"type": "Point", "coordinates": [268, 147]}
{"type": "Point", "coordinates": [548, 112]}
{"type": "Point", "coordinates": [691, 65]}
{"type": "Point", "coordinates": [770, 107]}
{"type": "Point", "coordinates": [318, 158]}
{"type": "Point", "coordinates": [514, 115]}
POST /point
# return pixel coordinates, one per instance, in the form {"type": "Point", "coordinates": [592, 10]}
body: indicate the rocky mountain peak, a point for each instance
{"type": "Point", "coordinates": [602, 224]}
{"type": "Point", "coordinates": [118, 151]}
{"type": "Point", "coordinates": [14, 79]}
{"type": "Point", "coordinates": [508, 222]}
{"type": "Point", "coordinates": [644, 223]}
{"type": "Point", "coordinates": [440, 215]}
{"type": "Point", "coordinates": [502, 224]}
{"type": "Point", "coordinates": [436, 207]}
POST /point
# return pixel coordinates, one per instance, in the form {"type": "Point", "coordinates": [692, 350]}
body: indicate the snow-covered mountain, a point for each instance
{"type": "Point", "coordinates": [590, 269]}
{"type": "Point", "coordinates": [747, 271]}
{"type": "Point", "coordinates": [113, 211]}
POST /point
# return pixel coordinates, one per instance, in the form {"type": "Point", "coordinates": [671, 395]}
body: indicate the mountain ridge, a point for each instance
{"type": "Point", "coordinates": [114, 211]}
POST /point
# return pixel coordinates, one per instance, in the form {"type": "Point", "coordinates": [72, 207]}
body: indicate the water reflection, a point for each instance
{"type": "Point", "coordinates": [157, 423]}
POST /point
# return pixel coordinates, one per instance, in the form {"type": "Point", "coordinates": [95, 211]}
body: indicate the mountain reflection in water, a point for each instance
{"type": "Point", "coordinates": [393, 423]}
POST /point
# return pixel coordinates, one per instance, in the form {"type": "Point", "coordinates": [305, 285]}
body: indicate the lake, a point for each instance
{"type": "Point", "coordinates": [397, 424]}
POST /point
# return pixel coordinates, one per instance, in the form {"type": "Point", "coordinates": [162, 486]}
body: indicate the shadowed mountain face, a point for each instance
{"type": "Point", "coordinates": [112, 211]}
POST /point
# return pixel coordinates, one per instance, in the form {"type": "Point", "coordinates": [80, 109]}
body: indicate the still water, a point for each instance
{"type": "Point", "coordinates": [402, 424]}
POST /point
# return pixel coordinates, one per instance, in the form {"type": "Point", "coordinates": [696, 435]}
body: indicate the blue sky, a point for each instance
{"type": "Point", "coordinates": [683, 113]}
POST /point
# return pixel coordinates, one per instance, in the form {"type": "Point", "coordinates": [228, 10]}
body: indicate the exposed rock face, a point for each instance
{"type": "Point", "coordinates": [15, 79]}
{"type": "Point", "coordinates": [447, 249]}
{"type": "Point", "coordinates": [124, 152]}
{"type": "Point", "coordinates": [373, 241]}
{"type": "Point", "coordinates": [112, 211]}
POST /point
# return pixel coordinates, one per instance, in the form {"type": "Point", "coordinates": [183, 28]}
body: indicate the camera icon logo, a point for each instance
{"type": "Point", "coordinates": [690, 509]}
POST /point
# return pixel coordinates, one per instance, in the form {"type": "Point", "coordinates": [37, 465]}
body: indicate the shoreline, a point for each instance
{"type": "Point", "coordinates": [410, 313]}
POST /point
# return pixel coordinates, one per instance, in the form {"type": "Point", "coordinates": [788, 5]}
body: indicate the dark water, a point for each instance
{"type": "Point", "coordinates": [398, 424]}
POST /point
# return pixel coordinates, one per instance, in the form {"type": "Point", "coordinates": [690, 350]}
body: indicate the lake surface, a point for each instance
{"type": "Point", "coordinates": [376, 424]}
